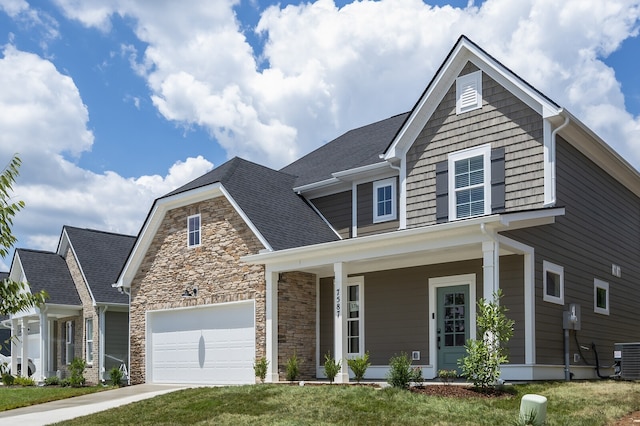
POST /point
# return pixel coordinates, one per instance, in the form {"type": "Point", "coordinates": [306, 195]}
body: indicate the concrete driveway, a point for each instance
{"type": "Point", "coordinates": [70, 408]}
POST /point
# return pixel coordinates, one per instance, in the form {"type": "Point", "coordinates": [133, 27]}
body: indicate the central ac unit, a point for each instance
{"type": "Point", "coordinates": [628, 354]}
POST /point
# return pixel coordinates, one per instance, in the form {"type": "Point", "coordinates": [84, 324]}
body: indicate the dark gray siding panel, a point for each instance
{"type": "Point", "coordinates": [601, 227]}
{"type": "Point", "coordinates": [336, 208]}
{"type": "Point", "coordinates": [512, 285]}
{"type": "Point", "coordinates": [365, 213]}
{"type": "Point", "coordinates": [326, 318]}
{"type": "Point", "coordinates": [116, 339]}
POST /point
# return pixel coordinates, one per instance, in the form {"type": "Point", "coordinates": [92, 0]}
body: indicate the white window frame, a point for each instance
{"type": "Point", "coordinates": [88, 327]}
{"type": "Point", "coordinates": [469, 92]}
{"type": "Point", "coordinates": [193, 231]}
{"type": "Point", "coordinates": [356, 282]}
{"type": "Point", "coordinates": [599, 284]}
{"type": "Point", "coordinates": [394, 210]}
{"type": "Point", "coordinates": [485, 151]}
{"type": "Point", "coordinates": [555, 269]}
{"type": "Point", "coordinates": [69, 340]}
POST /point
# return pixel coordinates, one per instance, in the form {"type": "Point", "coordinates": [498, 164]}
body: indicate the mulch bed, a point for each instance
{"type": "Point", "coordinates": [457, 391]}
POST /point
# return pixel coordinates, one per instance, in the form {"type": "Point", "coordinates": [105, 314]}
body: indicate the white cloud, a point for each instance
{"type": "Point", "coordinates": [45, 121]}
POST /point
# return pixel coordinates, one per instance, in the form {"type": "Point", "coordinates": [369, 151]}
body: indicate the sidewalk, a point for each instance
{"type": "Point", "coordinates": [70, 408]}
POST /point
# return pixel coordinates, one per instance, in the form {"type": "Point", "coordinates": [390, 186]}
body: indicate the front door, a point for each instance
{"type": "Point", "coordinates": [453, 325]}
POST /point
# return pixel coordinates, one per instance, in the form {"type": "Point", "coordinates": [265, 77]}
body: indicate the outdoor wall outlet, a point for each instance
{"type": "Point", "coordinates": [415, 356]}
{"type": "Point", "coordinates": [576, 357]}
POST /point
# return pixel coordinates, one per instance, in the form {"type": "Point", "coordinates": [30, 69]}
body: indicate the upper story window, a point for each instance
{"type": "Point", "coordinates": [384, 200]}
{"type": "Point", "coordinates": [469, 92]}
{"type": "Point", "coordinates": [600, 297]}
{"type": "Point", "coordinates": [193, 231]}
{"type": "Point", "coordinates": [552, 283]}
{"type": "Point", "coordinates": [470, 182]}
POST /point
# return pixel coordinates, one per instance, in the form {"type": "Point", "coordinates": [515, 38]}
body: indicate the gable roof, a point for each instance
{"type": "Point", "coordinates": [101, 256]}
{"type": "Point", "coordinates": [267, 199]}
{"type": "Point", "coordinates": [48, 271]}
{"type": "Point", "coordinates": [356, 148]}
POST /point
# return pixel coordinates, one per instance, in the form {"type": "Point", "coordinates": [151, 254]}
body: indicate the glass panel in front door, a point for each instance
{"type": "Point", "coordinates": [453, 325]}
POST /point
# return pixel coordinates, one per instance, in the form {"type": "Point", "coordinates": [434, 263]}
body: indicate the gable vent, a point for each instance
{"type": "Point", "coordinates": [469, 92]}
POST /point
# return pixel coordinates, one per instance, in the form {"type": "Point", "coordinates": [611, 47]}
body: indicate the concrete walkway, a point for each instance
{"type": "Point", "coordinates": [70, 408]}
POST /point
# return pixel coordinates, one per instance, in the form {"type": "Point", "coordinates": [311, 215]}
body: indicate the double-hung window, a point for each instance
{"type": "Point", "coordinates": [193, 231]}
{"type": "Point", "coordinates": [89, 340]}
{"type": "Point", "coordinates": [470, 182]}
{"type": "Point", "coordinates": [384, 200]}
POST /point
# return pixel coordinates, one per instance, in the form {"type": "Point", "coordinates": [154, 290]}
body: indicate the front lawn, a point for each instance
{"type": "Point", "coordinates": [574, 403]}
{"type": "Point", "coordinates": [17, 396]}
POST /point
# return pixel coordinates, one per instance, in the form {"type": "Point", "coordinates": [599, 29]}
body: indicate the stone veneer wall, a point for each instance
{"type": "Point", "coordinates": [297, 322]}
{"type": "Point", "coordinates": [214, 268]}
{"type": "Point", "coordinates": [92, 373]}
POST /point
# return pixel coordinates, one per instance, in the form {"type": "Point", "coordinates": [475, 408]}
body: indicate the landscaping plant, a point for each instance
{"type": "Point", "coordinates": [484, 355]}
{"type": "Point", "coordinates": [359, 366]}
{"type": "Point", "coordinates": [293, 369]}
{"type": "Point", "coordinates": [447, 376]}
{"type": "Point", "coordinates": [77, 367]}
{"type": "Point", "coordinates": [331, 367]}
{"type": "Point", "coordinates": [260, 368]}
{"type": "Point", "coordinates": [401, 374]}
{"type": "Point", "coordinates": [116, 375]}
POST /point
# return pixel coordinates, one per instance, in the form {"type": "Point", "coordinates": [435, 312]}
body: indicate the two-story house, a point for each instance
{"type": "Point", "coordinates": [383, 240]}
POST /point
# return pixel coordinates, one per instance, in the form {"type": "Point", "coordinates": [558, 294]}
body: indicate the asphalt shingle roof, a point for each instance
{"type": "Point", "coordinates": [266, 196]}
{"type": "Point", "coordinates": [356, 148]}
{"type": "Point", "coordinates": [48, 271]}
{"type": "Point", "coordinates": [101, 256]}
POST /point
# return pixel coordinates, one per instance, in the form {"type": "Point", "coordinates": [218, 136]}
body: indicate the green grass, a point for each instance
{"type": "Point", "coordinates": [583, 403]}
{"type": "Point", "coordinates": [16, 396]}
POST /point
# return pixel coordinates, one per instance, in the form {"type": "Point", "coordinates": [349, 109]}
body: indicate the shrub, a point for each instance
{"type": "Point", "coordinates": [52, 381]}
{"type": "Point", "coordinates": [77, 367]}
{"type": "Point", "coordinates": [401, 374]}
{"type": "Point", "coordinates": [24, 381]}
{"type": "Point", "coordinates": [7, 379]}
{"type": "Point", "coordinates": [331, 367]}
{"type": "Point", "coordinates": [359, 366]}
{"type": "Point", "coordinates": [65, 382]}
{"type": "Point", "coordinates": [447, 376]}
{"type": "Point", "coordinates": [116, 375]}
{"type": "Point", "coordinates": [293, 369]}
{"type": "Point", "coordinates": [482, 363]}
{"type": "Point", "coordinates": [260, 368]}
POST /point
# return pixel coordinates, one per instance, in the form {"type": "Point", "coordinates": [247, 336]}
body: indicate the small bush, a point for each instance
{"type": "Point", "coordinates": [401, 374]}
{"type": "Point", "coordinates": [24, 381]}
{"type": "Point", "coordinates": [447, 376]}
{"type": "Point", "coordinates": [65, 383]}
{"type": "Point", "coordinates": [7, 379]}
{"type": "Point", "coordinates": [359, 366]}
{"type": "Point", "coordinates": [116, 376]}
{"type": "Point", "coordinates": [77, 367]}
{"type": "Point", "coordinates": [260, 368]}
{"type": "Point", "coordinates": [293, 369]}
{"type": "Point", "coordinates": [331, 367]}
{"type": "Point", "coordinates": [52, 381]}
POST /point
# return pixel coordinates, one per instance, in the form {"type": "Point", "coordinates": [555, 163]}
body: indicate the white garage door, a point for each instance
{"type": "Point", "coordinates": [207, 345]}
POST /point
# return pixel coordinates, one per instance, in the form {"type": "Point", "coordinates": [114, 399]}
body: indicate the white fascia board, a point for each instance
{"type": "Point", "coordinates": [364, 172]}
{"type": "Point", "coordinates": [17, 270]}
{"type": "Point", "coordinates": [316, 185]}
{"type": "Point", "coordinates": [528, 219]}
{"type": "Point", "coordinates": [158, 212]}
{"type": "Point", "coordinates": [63, 243]}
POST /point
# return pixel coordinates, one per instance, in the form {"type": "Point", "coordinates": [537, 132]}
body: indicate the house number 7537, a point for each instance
{"type": "Point", "coordinates": [337, 302]}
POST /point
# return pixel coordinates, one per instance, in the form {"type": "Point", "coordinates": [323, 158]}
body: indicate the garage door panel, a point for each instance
{"type": "Point", "coordinates": [214, 344]}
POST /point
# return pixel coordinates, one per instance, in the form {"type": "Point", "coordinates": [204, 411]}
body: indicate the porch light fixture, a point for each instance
{"type": "Point", "coordinates": [192, 293]}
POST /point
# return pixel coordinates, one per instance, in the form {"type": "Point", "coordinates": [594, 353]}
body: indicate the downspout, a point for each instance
{"type": "Point", "coordinates": [401, 199]}
{"type": "Point", "coordinates": [101, 353]}
{"type": "Point", "coordinates": [552, 159]}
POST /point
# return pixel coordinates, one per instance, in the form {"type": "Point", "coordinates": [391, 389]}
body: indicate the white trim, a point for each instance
{"type": "Point", "coordinates": [354, 210]}
{"type": "Point", "coordinates": [549, 155]}
{"type": "Point", "coordinates": [402, 201]}
{"type": "Point", "coordinates": [190, 231]}
{"type": "Point", "coordinates": [485, 152]}
{"type": "Point", "coordinates": [469, 92]}
{"type": "Point", "coordinates": [434, 284]}
{"type": "Point", "coordinates": [359, 282]}
{"type": "Point", "coordinates": [271, 325]}
{"type": "Point", "coordinates": [597, 283]}
{"type": "Point", "coordinates": [558, 270]}
{"type": "Point", "coordinates": [87, 341]}
{"type": "Point", "coordinates": [394, 208]}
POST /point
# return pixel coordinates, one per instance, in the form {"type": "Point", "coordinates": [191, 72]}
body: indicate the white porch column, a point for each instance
{"type": "Point", "coordinates": [24, 353]}
{"type": "Point", "coordinates": [101, 332]}
{"type": "Point", "coordinates": [43, 366]}
{"type": "Point", "coordinates": [491, 269]}
{"type": "Point", "coordinates": [272, 326]}
{"type": "Point", "coordinates": [14, 346]}
{"type": "Point", "coordinates": [340, 321]}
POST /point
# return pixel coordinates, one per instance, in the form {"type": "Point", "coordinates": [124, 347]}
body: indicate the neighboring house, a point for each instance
{"type": "Point", "coordinates": [84, 316]}
{"type": "Point", "coordinates": [5, 333]}
{"type": "Point", "coordinates": [383, 240]}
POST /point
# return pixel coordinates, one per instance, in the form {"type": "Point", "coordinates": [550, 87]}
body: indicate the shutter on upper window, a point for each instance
{"type": "Point", "coordinates": [497, 180]}
{"type": "Point", "coordinates": [442, 192]}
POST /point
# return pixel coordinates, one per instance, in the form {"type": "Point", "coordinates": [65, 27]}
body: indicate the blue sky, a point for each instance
{"type": "Point", "coordinates": [112, 104]}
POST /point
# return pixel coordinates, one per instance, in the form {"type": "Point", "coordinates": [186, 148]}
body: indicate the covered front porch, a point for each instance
{"type": "Point", "coordinates": [411, 291]}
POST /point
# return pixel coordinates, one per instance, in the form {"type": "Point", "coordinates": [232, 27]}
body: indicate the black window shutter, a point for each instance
{"type": "Point", "coordinates": [442, 192]}
{"type": "Point", "coordinates": [497, 180]}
